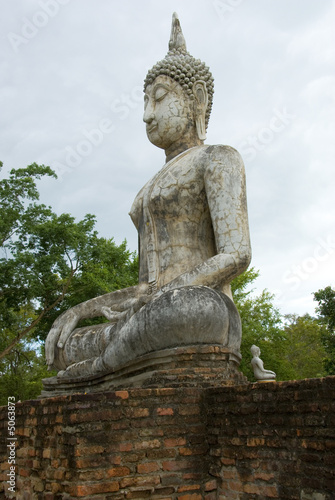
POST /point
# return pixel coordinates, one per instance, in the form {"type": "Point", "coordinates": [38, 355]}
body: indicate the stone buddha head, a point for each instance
{"type": "Point", "coordinates": [178, 98]}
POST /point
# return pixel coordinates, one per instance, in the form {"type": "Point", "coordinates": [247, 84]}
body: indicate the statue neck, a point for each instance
{"type": "Point", "coordinates": [180, 147]}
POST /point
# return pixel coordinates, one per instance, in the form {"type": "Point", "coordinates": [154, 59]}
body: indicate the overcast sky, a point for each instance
{"type": "Point", "coordinates": [71, 97]}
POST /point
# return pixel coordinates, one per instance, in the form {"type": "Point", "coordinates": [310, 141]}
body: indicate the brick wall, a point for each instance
{"type": "Point", "coordinates": [147, 443]}
{"type": "Point", "coordinates": [261, 441]}
{"type": "Point", "coordinates": [274, 440]}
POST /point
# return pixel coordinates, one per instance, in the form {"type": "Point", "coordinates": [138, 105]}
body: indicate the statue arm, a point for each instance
{"type": "Point", "coordinates": [226, 193]}
{"type": "Point", "coordinates": [107, 304]}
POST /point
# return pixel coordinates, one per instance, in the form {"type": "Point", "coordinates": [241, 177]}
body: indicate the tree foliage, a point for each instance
{"type": "Point", "coordinates": [261, 324]}
{"type": "Point", "coordinates": [23, 368]}
{"type": "Point", "coordinates": [326, 310]}
{"type": "Point", "coordinates": [48, 263]}
{"type": "Point", "coordinates": [305, 352]}
{"type": "Point", "coordinates": [290, 345]}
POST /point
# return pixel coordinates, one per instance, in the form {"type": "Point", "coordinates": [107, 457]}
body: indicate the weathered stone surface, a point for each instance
{"type": "Point", "coordinates": [192, 222]}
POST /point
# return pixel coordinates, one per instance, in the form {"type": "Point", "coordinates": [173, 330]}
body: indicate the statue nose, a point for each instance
{"type": "Point", "coordinates": [148, 113]}
{"type": "Point", "coordinates": [148, 117]}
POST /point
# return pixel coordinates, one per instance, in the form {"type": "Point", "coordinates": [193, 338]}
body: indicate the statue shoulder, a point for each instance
{"type": "Point", "coordinates": [223, 157]}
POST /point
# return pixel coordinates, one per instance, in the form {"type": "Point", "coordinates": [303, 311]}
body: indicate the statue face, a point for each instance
{"type": "Point", "coordinates": [168, 112]}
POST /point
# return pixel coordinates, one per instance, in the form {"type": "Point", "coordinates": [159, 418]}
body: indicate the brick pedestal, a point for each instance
{"type": "Point", "coordinates": [259, 441]}
{"type": "Point", "coordinates": [187, 366]}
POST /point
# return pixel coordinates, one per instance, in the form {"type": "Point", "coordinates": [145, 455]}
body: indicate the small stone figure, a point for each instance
{"type": "Point", "coordinates": [258, 367]}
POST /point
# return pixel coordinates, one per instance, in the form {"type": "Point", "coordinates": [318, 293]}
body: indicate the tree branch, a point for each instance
{"type": "Point", "coordinates": [32, 325]}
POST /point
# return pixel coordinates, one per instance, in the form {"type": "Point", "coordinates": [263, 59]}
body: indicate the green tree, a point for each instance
{"type": "Point", "coordinates": [290, 345]}
{"type": "Point", "coordinates": [261, 325]}
{"type": "Point", "coordinates": [326, 310]}
{"type": "Point", "coordinates": [23, 368]}
{"type": "Point", "coordinates": [48, 263]}
{"type": "Point", "coordinates": [305, 353]}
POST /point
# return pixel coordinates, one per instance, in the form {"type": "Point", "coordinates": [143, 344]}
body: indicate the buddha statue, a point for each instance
{"type": "Point", "coordinates": [257, 364]}
{"type": "Point", "coordinates": [192, 224]}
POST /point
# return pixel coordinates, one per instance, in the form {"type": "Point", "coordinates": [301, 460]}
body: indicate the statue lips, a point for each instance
{"type": "Point", "coordinates": [151, 127]}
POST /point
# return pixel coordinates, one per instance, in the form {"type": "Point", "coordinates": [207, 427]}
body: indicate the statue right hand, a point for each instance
{"type": "Point", "coordinates": [59, 333]}
{"type": "Point", "coordinates": [114, 310]}
{"type": "Point", "coordinates": [67, 322]}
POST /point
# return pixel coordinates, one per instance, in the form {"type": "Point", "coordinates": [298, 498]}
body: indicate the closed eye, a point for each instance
{"type": "Point", "coordinates": [160, 93]}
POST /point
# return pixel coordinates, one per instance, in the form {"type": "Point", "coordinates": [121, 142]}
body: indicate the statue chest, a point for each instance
{"type": "Point", "coordinates": [177, 191]}
{"type": "Point", "coordinates": [172, 217]}
{"type": "Point", "coordinates": [176, 194]}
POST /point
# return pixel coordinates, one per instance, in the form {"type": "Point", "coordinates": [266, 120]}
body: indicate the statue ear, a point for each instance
{"type": "Point", "coordinates": [200, 107]}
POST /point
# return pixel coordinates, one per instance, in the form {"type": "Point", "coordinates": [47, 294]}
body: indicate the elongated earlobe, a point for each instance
{"type": "Point", "coordinates": [200, 107]}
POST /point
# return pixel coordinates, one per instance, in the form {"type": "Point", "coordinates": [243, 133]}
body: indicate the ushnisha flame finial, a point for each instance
{"type": "Point", "coordinates": [177, 40]}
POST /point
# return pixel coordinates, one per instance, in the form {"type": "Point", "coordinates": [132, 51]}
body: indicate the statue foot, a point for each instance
{"type": "Point", "coordinates": [88, 367]}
